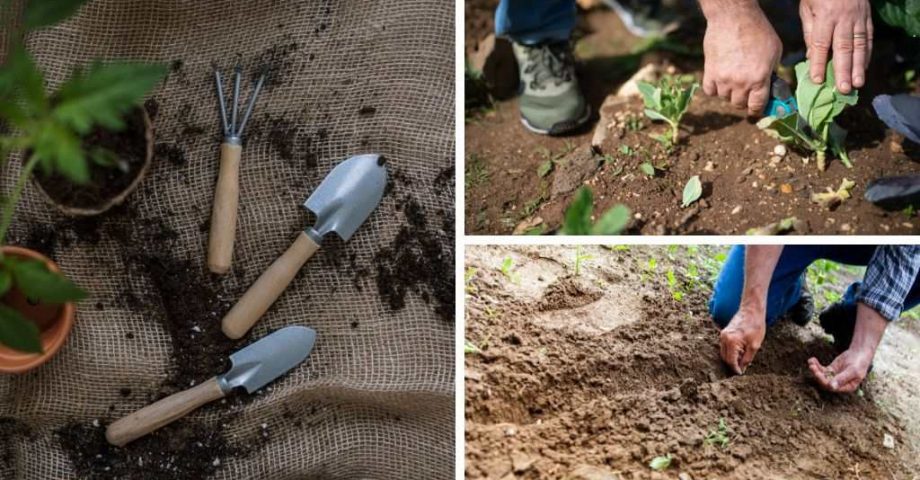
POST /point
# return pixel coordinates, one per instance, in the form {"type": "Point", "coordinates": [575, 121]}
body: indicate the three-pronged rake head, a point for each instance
{"type": "Point", "coordinates": [233, 131]}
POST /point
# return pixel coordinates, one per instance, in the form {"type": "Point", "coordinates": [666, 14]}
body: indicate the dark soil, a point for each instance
{"type": "Point", "coordinates": [178, 451]}
{"type": "Point", "coordinates": [421, 260]}
{"type": "Point", "coordinates": [504, 190]}
{"type": "Point", "coordinates": [129, 145]}
{"type": "Point", "coordinates": [545, 399]}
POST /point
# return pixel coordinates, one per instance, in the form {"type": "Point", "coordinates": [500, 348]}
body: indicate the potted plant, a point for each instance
{"type": "Point", "coordinates": [56, 134]}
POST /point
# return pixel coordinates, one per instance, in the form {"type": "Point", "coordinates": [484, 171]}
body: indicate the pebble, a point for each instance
{"type": "Point", "coordinates": [888, 441]}
{"type": "Point", "coordinates": [96, 422]}
{"type": "Point", "coordinates": [216, 462]}
{"type": "Point", "coordinates": [709, 167]}
{"type": "Point", "coordinates": [736, 210]}
{"type": "Point", "coordinates": [779, 150]}
{"type": "Point", "coordinates": [747, 171]}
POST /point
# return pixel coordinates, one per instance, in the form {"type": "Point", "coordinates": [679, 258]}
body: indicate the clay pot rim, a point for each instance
{"type": "Point", "coordinates": [66, 317]}
{"type": "Point", "coordinates": [118, 199]}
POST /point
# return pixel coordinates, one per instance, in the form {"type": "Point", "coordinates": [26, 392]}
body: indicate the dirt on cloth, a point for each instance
{"type": "Point", "coordinates": [375, 398]}
{"type": "Point", "coordinates": [744, 186]}
{"type": "Point", "coordinates": [561, 389]}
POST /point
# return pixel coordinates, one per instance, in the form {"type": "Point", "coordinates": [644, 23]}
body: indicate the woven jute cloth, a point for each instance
{"type": "Point", "coordinates": [375, 397]}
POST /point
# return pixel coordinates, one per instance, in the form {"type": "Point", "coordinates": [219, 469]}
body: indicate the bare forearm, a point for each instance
{"type": "Point", "coordinates": [759, 263]}
{"type": "Point", "coordinates": [870, 327]}
{"type": "Point", "coordinates": [715, 9]}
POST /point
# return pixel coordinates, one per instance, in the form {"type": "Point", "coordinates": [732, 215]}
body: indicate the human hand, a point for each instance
{"type": "Point", "coordinates": [741, 338]}
{"type": "Point", "coordinates": [740, 48]}
{"type": "Point", "coordinates": [841, 26]}
{"type": "Point", "coordinates": [845, 373]}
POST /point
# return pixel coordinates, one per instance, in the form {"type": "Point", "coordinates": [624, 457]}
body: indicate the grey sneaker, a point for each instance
{"type": "Point", "coordinates": [551, 101]}
{"type": "Point", "coordinates": [644, 18]}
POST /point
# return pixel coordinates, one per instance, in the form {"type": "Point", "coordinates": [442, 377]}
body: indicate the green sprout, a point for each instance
{"type": "Point", "coordinates": [668, 101]}
{"type": "Point", "coordinates": [719, 436]}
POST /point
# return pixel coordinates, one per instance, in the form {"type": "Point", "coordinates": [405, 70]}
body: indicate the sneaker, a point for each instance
{"type": "Point", "coordinates": [802, 312]}
{"type": "Point", "coordinates": [644, 18]}
{"type": "Point", "coordinates": [551, 101]}
{"type": "Point", "coordinates": [839, 321]}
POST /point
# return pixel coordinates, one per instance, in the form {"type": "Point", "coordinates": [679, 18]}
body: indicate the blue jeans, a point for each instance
{"type": "Point", "coordinates": [788, 277]}
{"type": "Point", "coordinates": [531, 22]}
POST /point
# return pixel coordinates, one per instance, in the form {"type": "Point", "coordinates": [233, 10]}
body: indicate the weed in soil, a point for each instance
{"type": "Point", "coordinates": [420, 259]}
{"type": "Point", "coordinates": [129, 145]}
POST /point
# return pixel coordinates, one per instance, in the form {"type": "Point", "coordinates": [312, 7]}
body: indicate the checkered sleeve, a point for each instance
{"type": "Point", "coordinates": [889, 277]}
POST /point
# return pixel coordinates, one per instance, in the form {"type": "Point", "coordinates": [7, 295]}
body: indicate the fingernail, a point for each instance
{"type": "Point", "coordinates": [858, 80]}
{"type": "Point", "coordinates": [816, 78]}
{"type": "Point", "coordinates": [834, 384]}
{"type": "Point", "coordinates": [845, 86]}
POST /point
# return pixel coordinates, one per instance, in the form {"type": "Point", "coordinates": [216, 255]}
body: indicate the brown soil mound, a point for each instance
{"type": "Point", "coordinates": [560, 403]}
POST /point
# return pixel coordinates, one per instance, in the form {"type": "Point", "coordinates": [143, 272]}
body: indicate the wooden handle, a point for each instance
{"type": "Point", "coordinates": [268, 287]}
{"type": "Point", "coordinates": [162, 413]}
{"type": "Point", "coordinates": [223, 216]}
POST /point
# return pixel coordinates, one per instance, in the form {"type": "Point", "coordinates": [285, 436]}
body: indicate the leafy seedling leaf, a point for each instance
{"type": "Point", "coordinates": [545, 168]}
{"type": "Point", "coordinates": [647, 169]}
{"type": "Point", "coordinates": [43, 13]}
{"type": "Point", "coordinates": [578, 216]}
{"type": "Point", "coordinates": [18, 333]}
{"type": "Point", "coordinates": [612, 222]}
{"type": "Point", "coordinates": [37, 282]}
{"type": "Point", "coordinates": [692, 191]}
{"type": "Point", "coordinates": [660, 463]}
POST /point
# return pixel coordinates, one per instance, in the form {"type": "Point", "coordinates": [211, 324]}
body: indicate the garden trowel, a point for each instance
{"type": "Point", "coordinates": [342, 202]}
{"type": "Point", "coordinates": [252, 368]}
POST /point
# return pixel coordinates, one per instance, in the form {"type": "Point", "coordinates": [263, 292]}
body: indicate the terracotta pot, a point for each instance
{"type": "Point", "coordinates": [118, 199]}
{"type": "Point", "coordinates": [55, 321]}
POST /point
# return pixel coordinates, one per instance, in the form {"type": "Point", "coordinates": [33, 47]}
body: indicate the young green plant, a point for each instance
{"type": "Point", "coordinates": [669, 100]}
{"type": "Point", "coordinates": [719, 436]}
{"type": "Point", "coordinates": [813, 128]}
{"type": "Point", "coordinates": [48, 129]}
{"type": "Point", "coordinates": [578, 217]}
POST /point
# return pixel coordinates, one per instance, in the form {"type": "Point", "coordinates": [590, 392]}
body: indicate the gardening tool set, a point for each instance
{"type": "Point", "coordinates": [341, 203]}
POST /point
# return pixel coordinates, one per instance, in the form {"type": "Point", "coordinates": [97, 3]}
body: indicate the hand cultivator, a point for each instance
{"type": "Point", "coordinates": [226, 197]}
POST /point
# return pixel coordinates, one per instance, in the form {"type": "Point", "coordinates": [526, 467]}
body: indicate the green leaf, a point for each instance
{"type": "Point", "coordinates": [39, 283]}
{"type": "Point", "coordinates": [43, 13]}
{"type": "Point", "coordinates": [692, 191]}
{"type": "Point", "coordinates": [647, 169]}
{"type": "Point", "coordinates": [60, 150]}
{"type": "Point", "coordinates": [545, 168]}
{"type": "Point", "coordinates": [103, 93]}
{"type": "Point", "coordinates": [6, 281]}
{"type": "Point", "coordinates": [900, 13]}
{"type": "Point", "coordinates": [578, 216]}
{"type": "Point", "coordinates": [21, 78]}
{"type": "Point", "coordinates": [613, 222]}
{"type": "Point", "coordinates": [650, 94]}
{"type": "Point", "coordinates": [660, 463]}
{"type": "Point", "coordinates": [17, 332]}
{"type": "Point", "coordinates": [836, 138]}
{"type": "Point", "coordinates": [656, 116]}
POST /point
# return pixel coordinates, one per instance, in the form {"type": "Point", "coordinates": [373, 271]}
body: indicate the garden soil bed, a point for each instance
{"type": "Point", "coordinates": [593, 375]}
{"type": "Point", "coordinates": [742, 188]}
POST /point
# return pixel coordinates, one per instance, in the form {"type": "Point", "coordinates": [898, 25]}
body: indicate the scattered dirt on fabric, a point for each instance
{"type": "Point", "coordinates": [106, 182]}
{"type": "Point", "coordinates": [367, 110]}
{"type": "Point", "coordinates": [548, 402]}
{"type": "Point", "coordinates": [10, 428]}
{"type": "Point", "coordinates": [295, 145]}
{"type": "Point", "coordinates": [180, 450]}
{"type": "Point", "coordinates": [445, 178]}
{"type": "Point", "coordinates": [276, 62]}
{"type": "Point", "coordinates": [170, 152]}
{"type": "Point", "coordinates": [421, 260]}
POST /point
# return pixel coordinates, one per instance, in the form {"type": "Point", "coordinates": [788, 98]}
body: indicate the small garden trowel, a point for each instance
{"type": "Point", "coordinates": [252, 368]}
{"type": "Point", "coordinates": [342, 202]}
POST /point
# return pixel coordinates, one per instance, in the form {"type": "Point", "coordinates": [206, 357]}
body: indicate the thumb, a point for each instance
{"type": "Point", "coordinates": [747, 356]}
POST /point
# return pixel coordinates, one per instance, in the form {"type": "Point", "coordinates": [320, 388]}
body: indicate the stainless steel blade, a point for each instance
{"type": "Point", "coordinates": [267, 359]}
{"type": "Point", "coordinates": [347, 196]}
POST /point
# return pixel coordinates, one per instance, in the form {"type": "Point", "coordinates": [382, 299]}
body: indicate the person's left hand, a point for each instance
{"type": "Point", "coordinates": [844, 374]}
{"type": "Point", "coordinates": [841, 26]}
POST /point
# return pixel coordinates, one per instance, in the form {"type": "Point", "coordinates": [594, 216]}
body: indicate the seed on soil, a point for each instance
{"type": "Point", "coordinates": [736, 210]}
{"type": "Point", "coordinates": [779, 150]}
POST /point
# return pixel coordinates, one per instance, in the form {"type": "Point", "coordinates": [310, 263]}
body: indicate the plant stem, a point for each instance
{"type": "Point", "coordinates": [675, 133]}
{"type": "Point", "coordinates": [10, 202]}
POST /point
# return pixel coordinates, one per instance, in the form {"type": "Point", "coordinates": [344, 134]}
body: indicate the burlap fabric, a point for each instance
{"type": "Point", "coordinates": [375, 399]}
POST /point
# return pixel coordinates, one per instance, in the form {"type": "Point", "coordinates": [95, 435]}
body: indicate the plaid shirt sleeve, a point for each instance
{"type": "Point", "coordinates": [889, 277]}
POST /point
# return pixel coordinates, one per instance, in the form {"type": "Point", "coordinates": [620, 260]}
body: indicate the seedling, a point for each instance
{"type": "Point", "coordinates": [647, 169]}
{"type": "Point", "coordinates": [661, 463]}
{"type": "Point", "coordinates": [719, 436]}
{"type": "Point", "coordinates": [692, 191]}
{"type": "Point", "coordinates": [625, 150]}
{"type": "Point", "coordinates": [468, 280]}
{"type": "Point", "coordinates": [580, 258]}
{"type": "Point", "coordinates": [507, 270]}
{"type": "Point", "coordinates": [672, 286]}
{"type": "Point", "coordinates": [832, 199]}
{"type": "Point", "coordinates": [470, 348]}
{"type": "Point", "coordinates": [813, 128]}
{"type": "Point", "coordinates": [669, 100]}
{"type": "Point", "coordinates": [476, 173]}
{"type": "Point", "coordinates": [49, 130]}
{"type": "Point", "coordinates": [578, 217]}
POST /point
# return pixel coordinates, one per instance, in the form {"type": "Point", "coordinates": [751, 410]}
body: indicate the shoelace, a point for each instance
{"type": "Point", "coordinates": [551, 62]}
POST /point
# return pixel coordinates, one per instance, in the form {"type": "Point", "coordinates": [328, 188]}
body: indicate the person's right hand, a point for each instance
{"type": "Point", "coordinates": [741, 49]}
{"type": "Point", "coordinates": [741, 338]}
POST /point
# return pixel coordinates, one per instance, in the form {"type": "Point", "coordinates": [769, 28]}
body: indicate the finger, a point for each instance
{"type": "Point", "coordinates": [849, 377]}
{"type": "Point", "coordinates": [723, 90]}
{"type": "Point", "coordinates": [735, 355]}
{"type": "Point", "coordinates": [739, 98]}
{"type": "Point", "coordinates": [709, 85]}
{"type": "Point", "coordinates": [870, 31]}
{"type": "Point", "coordinates": [821, 37]}
{"type": "Point", "coordinates": [860, 55]}
{"type": "Point", "coordinates": [819, 373]}
{"type": "Point", "coordinates": [807, 25]}
{"type": "Point", "coordinates": [747, 357]}
{"type": "Point", "coordinates": [758, 100]}
{"type": "Point", "coordinates": [843, 57]}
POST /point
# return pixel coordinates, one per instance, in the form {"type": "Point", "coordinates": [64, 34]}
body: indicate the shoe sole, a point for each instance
{"type": "Point", "coordinates": [561, 131]}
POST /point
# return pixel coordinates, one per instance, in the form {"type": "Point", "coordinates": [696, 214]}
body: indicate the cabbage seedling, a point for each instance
{"type": "Point", "coordinates": [668, 101]}
{"type": "Point", "coordinates": [813, 128]}
{"type": "Point", "coordinates": [578, 217]}
{"type": "Point", "coordinates": [660, 463]}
